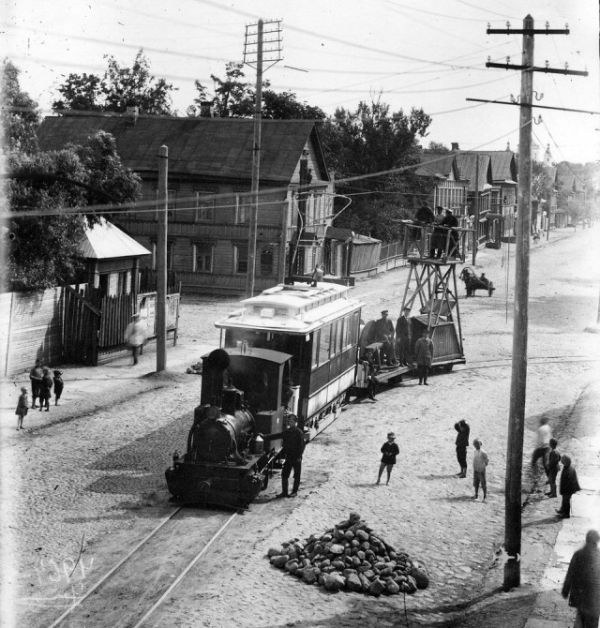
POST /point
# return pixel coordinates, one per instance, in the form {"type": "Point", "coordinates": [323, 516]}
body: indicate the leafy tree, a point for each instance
{"type": "Point", "coordinates": [43, 251]}
{"type": "Point", "coordinates": [20, 114]}
{"type": "Point", "coordinates": [235, 97]}
{"type": "Point", "coordinates": [438, 147]}
{"type": "Point", "coordinates": [119, 88]}
{"type": "Point", "coordinates": [370, 140]}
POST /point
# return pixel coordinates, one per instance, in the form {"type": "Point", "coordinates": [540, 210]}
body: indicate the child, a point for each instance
{"type": "Point", "coordinates": [46, 390]}
{"type": "Point", "coordinates": [390, 450]}
{"type": "Point", "coordinates": [569, 484]}
{"type": "Point", "coordinates": [552, 467]}
{"type": "Point", "coordinates": [58, 386]}
{"type": "Point", "coordinates": [480, 462]}
{"type": "Point", "coordinates": [22, 406]}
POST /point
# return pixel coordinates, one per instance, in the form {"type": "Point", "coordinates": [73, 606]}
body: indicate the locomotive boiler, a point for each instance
{"type": "Point", "coordinates": [236, 433]}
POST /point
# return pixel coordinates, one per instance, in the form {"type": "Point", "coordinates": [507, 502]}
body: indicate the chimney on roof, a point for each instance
{"type": "Point", "coordinates": [206, 109]}
{"type": "Point", "coordinates": [455, 146]}
{"type": "Point", "coordinates": [132, 112]}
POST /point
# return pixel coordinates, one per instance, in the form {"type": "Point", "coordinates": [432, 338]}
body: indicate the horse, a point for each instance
{"type": "Point", "coordinates": [473, 282]}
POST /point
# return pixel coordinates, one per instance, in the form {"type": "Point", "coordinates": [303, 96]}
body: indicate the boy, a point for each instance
{"type": "Point", "coordinates": [569, 484]}
{"type": "Point", "coordinates": [390, 450]}
{"type": "Point", "coordinates": [480, 462]}
{"type": "Point", "coordinates": [552, 462]}
{"type": "Point", "coordinates": [58, 386]}
{"type": "Point", "coordinates": [22, 406]}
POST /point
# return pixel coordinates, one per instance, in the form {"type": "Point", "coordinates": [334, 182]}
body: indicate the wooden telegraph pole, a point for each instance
{"type": "Point", "coordinates": [161, 260]}
{"type": "Point", "coordinates": [516, 418]}
{"type": "Point", "coordinates": [253, 55]}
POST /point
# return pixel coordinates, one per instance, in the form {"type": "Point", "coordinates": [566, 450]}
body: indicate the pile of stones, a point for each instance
{"type": "Point", "coordinates": [350, 557]}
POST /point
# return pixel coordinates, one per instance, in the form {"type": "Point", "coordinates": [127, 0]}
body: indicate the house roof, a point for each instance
{"type": "Point", "coordinates": [438, 165]}
{"type": "Point", "coordinates": [210, 147]}
{"type": "Point", "coordinates": [503, 163]}
{"type": "Point", "coordinates": [472, 164]}
{"type": "Point", "coordinates": [104, 240]}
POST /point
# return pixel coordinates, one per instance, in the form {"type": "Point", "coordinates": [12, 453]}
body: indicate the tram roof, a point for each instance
{"type": "Point", "coordinates": [294, 308]}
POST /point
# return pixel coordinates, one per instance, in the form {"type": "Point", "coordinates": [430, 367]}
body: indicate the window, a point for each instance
{"type": "Point", "coordinates": [324, 344]}
{"type": "Point", "coordinates": [315, 349]}
{"type": "Point", "coordinates": [202, 257]}
{"type": "Point", "coordinates": [240, 258]}
{"type": "Point", "coordinates": [243, 206]}
{"type": "Point", "coordinates": [205, 207]}
{"type": "Point", "coordinates": [266, 262]}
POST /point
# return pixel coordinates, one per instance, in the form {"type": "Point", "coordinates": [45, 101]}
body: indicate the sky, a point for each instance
{"type": "Point", "coordinates": [428, 54]}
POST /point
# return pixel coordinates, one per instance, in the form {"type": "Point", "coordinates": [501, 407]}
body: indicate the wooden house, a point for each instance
{"type": "Point", "coordinates": [209, 180]}
{"type": "Point", "coordinates": [449, 187]}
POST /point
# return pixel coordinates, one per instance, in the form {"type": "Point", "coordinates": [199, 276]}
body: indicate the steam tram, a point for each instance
{"type": "Point", "coordinates": [291, 348]}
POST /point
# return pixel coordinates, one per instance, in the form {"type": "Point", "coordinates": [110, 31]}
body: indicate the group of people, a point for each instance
{"type": "Point", "coordinates": [42, 383]}
{"type": "Point", "coordinates": [444, 237]}
{"type": "Point", "coordinates": [546, 451]}
{"type": "Point", "coordinates": [396, 343]}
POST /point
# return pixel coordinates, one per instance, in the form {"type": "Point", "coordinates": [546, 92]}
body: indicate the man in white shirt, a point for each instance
{"type": "Point", "coordinates": [544, 434]}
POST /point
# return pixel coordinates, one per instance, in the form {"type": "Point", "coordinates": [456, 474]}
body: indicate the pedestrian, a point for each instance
{"type": "Point", "coordinates": [35, 375]}
{"type": "Point", "coordinates": [22, 406]}
{"type": "Point", "coordinates": [317, 275]}
{"type": "Point", "coordinates": [424, 356]}
{"type": "Point", "coordinates": [552, 467]}
{"type": "Point", "coordinates": [292, 449]}
{"type": "Point", "coordinates": [480, 463]}
{"type": "Point", "coordinates": [544, 434]}
{"type": "Point", "coordinates": [582, 582]}
{"type": "Point", "coordinates": [569, 485]}
{"type": "Point", "coordinates": [135, 336]}
{"type": "Point", "coordinates": [45, 389]}
{"type": "Point", "coordinates": [390, 450]}
{"type": "Point", "coordinates": [403, 336]}
{"type": "Point", "coordinates": [438, 236]}
{"type": "Point", "coordinates": [450, 222]}
{"type": "Point", "coordinates": [58, 386]}
{"type": "Point", "coordinates": [462, 442]}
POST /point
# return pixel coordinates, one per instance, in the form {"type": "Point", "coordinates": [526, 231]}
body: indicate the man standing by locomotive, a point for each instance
{"type": "Point", "coordinates": [403, 336]}
{"type": "Point", "coordinates": [292, 449]}
{"type": "Point", "coordinates": [384, 333]}
{"type": "Point", "coordinates": [424, 356]}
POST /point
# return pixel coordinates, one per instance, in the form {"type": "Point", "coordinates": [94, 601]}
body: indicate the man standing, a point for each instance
{"type": "Point", "coordinates": [35, 375]}
{"type": "Point", "coordinates": [135, 336]}
{"type": "Point", "coordinates": [403, 333]}
{"type": "Point", "coordinates": [582, 583]}
{"type": "Point", "coordinates": [384, 333]}
{"type": "Point", "coordinates": [292, 449]}
{"type": "Point", "coordinates": [424, 356]}
{"type": "Point", "coordinates": [462, 442]}
{"type": "Point", "coordinates": [450, 222]}
{"type": "Point", "coordinates": [480, 463]}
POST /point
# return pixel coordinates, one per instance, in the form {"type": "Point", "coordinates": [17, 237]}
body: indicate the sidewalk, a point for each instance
{"type": "Point", "coordinates": [551, 610]}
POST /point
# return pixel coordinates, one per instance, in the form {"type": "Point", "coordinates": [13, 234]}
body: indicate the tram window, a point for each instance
{"type": "Point", "coordinates": [336, 338]}
{"type": "Point", "coordinates": [315, 349]}
{"type": "Point", "coordinates": [324, 344]}
{"type": "Point", "coordinates": [353, 328]}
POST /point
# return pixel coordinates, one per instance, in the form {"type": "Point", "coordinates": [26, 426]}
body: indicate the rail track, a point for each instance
{"type": "Point", "coordinates": [129, 593]}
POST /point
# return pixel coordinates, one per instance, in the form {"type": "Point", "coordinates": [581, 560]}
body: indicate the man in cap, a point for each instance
{"type": "Point", "coordinates": [450, 222]}
{"type": "Point", "coordinates": [403, 336]}
{"type": "Point", "coordinates": [292, 449]}
{"type": "Point", "coordinates": [384, 333]}
{"type": "Point", "coordinates": [389, 451]}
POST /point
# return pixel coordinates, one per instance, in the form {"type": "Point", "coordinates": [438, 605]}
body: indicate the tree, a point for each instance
{"type": "Point", "coordinates": [370, 140]}
{"type": "Point", "coordinates": [235, 97]}
{"type": "Point", "coordinates": [20, 114]}
{"type": "Point", "coordinates": [438, 147]}
{"type": "Point", "coordinates": [43, 251]}
{"type": "Point", "coordinates": [119, 88]}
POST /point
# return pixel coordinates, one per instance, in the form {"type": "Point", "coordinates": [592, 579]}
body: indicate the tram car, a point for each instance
{"type": "Point", "coordinates": [291, 349]}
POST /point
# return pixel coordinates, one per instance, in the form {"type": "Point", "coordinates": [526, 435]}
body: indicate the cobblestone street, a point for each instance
{"type": "Point", "coordinates": [88, 477]}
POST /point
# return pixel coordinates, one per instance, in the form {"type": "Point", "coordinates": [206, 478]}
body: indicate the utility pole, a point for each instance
{"type": "Point", "coordinates": [516, 418]}
{"type": "Point", "coordinates": [476, 219]}
{"type": "Point", "coordinates": [161, 260]}
{"type": "Point", "coordinates": [253, 56]}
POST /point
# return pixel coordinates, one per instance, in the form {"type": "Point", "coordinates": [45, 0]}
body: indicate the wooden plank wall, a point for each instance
{"type": "Point", "coordinates": [116, 315]}
{"type": "Point", "coordinates": [31, 323]}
